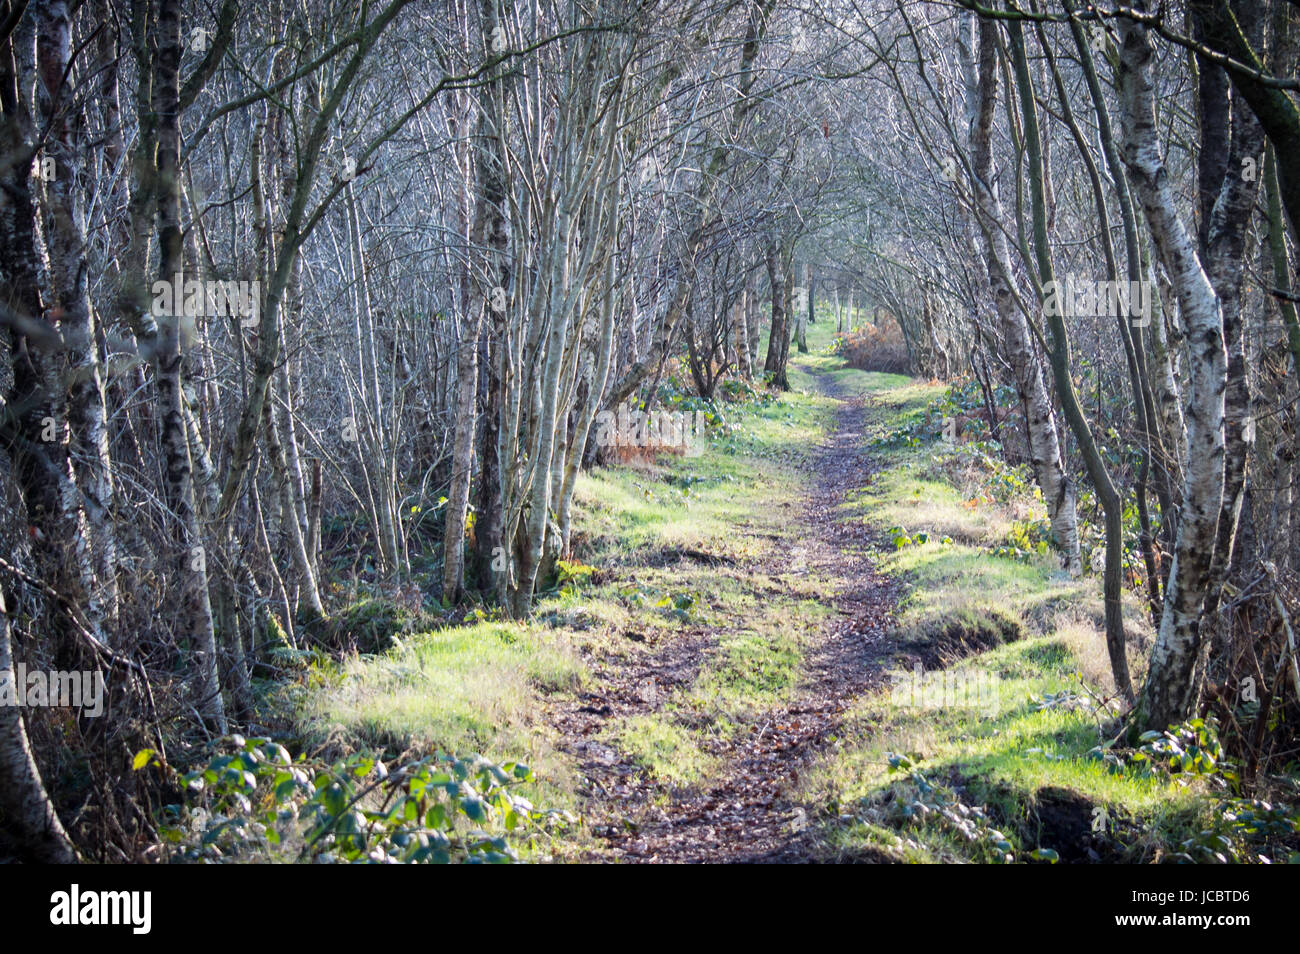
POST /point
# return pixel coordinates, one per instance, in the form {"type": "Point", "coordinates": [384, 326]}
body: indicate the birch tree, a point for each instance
{"type": "Point", "coordinates": [1170, 693]}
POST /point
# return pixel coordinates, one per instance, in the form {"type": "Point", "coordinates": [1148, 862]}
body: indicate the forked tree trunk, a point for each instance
{"type": "Point", "coordinates": [1040, 424]}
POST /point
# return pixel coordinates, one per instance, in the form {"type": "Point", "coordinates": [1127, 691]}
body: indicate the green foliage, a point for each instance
{"type": "Point", "coordinates": [932, 805]}
{"type": "Point", "coordinates": [1092, 537]}
{"type": "Point", "coordinates": [1237, 829]}
{"type": "Point", "coordinates": [914, 432]}
{"type": "Point", "coordinates": [900, 538]}
{"type": "Point", "coordinates": [571, 575]}
{"type": "Point", "coordinates": [1025, 540]}
{"type": "Point", "coordinates": [254, 801]}
{"type": "Point", "coordinates": [372, 623]}
{"type": "Point", "coordinates": [682, 606]}
{"type": "Point", "coordinates": [1244, 830]}
{"type": "Point", "coordinates": [738, 390]}
{"type": "Point", "coordinates": [1189, 750]}
{"type": "Point", "coordinates": [1184, 752]}
{"type": "Point", "coordinates": [962, 399]}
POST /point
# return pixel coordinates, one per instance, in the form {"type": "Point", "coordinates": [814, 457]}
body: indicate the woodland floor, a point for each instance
{"type": "Point", "coordinates": [710, 681]}
{"type": "Point", "coordinates": [749, 809]}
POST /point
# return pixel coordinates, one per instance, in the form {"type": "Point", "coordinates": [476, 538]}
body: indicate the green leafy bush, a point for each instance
{"type": "Point", "coordinates": [938, 806]}
{"type": "Point", "coordinates": [253, 801]}
{"type": "Point", "coordinates": [1025, 540]}
{"type": "Point", "coordinates": [1238, 829]}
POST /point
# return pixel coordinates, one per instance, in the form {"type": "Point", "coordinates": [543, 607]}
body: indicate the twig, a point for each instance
{"type": "Point", "coordinates": [1271, 570]}
{"type": "Point", "coordinates": [97, 645]}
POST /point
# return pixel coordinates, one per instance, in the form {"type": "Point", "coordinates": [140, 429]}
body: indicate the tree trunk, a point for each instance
{"type": "Point", "coordinates": [487, 238]}
{"type": "Point", "coordinates": [65, 244]}
{"type": "Point", "coordinates": [1231, 201]}
{"type": "Point", "coordinates": [189, 559]}
{"type": "Point", "coordinates": [30, 819]}
{"type": "Point", "coordinates": [1169, 694]}
{"type": "Point", "coordinates": [1040, 424]}
{"type": "Point", "coordinates": [778, 339]}
{"type": "Point", "coordinates": [1059, 357]}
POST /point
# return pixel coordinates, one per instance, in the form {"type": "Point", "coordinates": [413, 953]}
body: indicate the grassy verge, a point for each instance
{"type": "Point", "coordinates": [990, 744]}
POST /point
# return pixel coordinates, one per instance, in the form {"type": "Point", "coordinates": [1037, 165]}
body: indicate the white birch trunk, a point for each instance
{"type": "Point", "coordinates": [1169, 695]}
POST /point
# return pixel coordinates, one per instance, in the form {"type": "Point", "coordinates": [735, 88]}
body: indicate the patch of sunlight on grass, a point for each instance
{"type": "Point", "coordinates": [747, 672]}
{"type": "Point", "coordinates": [663, 748]}
{"type": "Point", "coordinates": [832, 368]}
{"type": "Point", "coordinates": [679, 501]}
{"type": "Point", "coordinates": [472, 689]}
{"type": "Point", "coordinates": [1013, 730]}
{"type": "Point", "coordinates": [949, 577]}
{"type": "Point", "coordinates": [902, 497]}
{"type": "Point", "coordinates": [1086, 641]}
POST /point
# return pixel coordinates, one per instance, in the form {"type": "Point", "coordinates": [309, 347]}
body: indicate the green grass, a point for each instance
{"type": "Point", "coordinates": [1029, 730]}
{"type": "Point", "coordinates": [476, 688]}
{"type": "Point", "coordinates": [488, 687]}
{"type": "Point", "coordinates": [663, 747]}
{"type": "Point", "coordinates": [702, 552]}
{"type": "Point", "coordinates": [1019, 732]}
{"type": "Point", "coordinates": [747, 672]}
{"type": "Point", "coordinates": [421, 690]}
{"type": "Point", "coordinates": [740, 504]}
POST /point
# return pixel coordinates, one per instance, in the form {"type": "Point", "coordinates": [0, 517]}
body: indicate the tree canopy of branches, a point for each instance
{"type": "Point", "coordinates": [312, 291]}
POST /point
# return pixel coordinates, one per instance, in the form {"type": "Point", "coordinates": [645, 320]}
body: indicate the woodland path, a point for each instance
{"type": "Point", "coordinates": [748, 811]}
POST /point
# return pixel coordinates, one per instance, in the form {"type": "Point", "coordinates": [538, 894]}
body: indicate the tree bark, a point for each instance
{"type": "Point", "coordinates": [29, 815]}
{"type": "Point", "coordinates": [1060, 360]}
{"type": "Point", "coordinates": [1040, 424]}
{"type": "Point", "coordinates": [189, 557]}
{"type": "Point", "coordinates": [1169, 695]}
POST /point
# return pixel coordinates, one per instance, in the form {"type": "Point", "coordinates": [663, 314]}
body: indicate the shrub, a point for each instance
{"type": "Point", "coordinates": [255, 802]}
{"type": "Point", "coordinates": [878, 347]}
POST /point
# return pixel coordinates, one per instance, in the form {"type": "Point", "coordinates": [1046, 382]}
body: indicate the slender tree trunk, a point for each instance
{"type": "Point", "coordinates": [1231, 200]}
{"type": "Point", "coordinates": [1060, 360]}
{"type": "Point", "coordinates": [189, 558]}
{"type": "Point", "coordinates": [778, 339]}
{"type": "Point", "coordinates": [1169, 695]}
{"type": "Point", "coordinates": [308, 589]}
{"type": "Point", "coordinates": [740, 330]}
{"type": "Point", "coordinates": [487, 238]}
{"type": "Point", "coordinates": [1040, 423]}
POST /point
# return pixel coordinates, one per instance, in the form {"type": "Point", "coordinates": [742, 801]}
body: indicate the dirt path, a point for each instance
{"type": "Point", "coordinates": [746, 812]}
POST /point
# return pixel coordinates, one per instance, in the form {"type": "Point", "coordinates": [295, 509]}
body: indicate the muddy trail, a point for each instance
{"type": "Point", "coordinates": [748, 811]}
